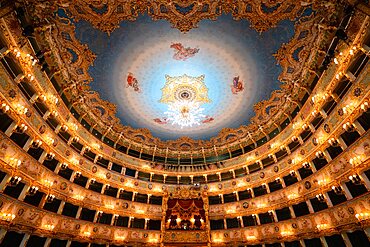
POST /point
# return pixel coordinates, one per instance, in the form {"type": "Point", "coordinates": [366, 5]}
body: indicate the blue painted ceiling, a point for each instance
{"type": "Point", "coordinates": [227, 49]}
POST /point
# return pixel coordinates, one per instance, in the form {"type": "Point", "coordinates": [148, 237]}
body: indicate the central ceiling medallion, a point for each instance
{"type": "Point", "coordinates": [184, 96]}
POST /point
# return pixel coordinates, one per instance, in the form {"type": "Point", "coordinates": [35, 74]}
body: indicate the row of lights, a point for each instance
{"type": "Point", "coordinates": [51, 155]}
{"type": "Point", "coordinates": [34, 61]}
{"type": "Point", "coordinates": [23, 127]}
{"type": "Point", "coordinates": [354, 177]}
{"type": "Point", "coordinates": [7, 216]}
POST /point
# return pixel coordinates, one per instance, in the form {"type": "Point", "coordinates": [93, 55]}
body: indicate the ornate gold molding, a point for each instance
{"type": "Point", "coordinates": [79, 92]}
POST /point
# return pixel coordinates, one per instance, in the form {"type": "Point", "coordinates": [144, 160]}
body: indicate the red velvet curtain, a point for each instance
{"type": "Point", "coordinates": [185, 204]}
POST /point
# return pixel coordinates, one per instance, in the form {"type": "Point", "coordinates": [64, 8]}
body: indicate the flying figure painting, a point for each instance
{"type": "Point", "coordinates": [160, 121]}
{"type": "Point", "coordinates": [208, 119]}
{"type": "Point", "coordinates": [132, 82]}
{"type": "Point", "coordinates": [182, 53]}
{"type": "Point", "coordinates": [237, 85]}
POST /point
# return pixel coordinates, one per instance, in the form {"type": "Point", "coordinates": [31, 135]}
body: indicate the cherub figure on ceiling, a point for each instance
{"type": "Point", "coordinates": [160, 121]}
{"type": "Point", "coordinates": [208, 119]}
{"type": "Point", "coordinates": [183, 53]}
{"type": "Point", "coordinates": [237, 86]}
{"type": "Point", "coordinates": [132, 82]}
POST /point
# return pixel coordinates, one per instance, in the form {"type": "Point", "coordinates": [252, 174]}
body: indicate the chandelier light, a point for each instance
{"type": "Point", "coordinates": [184, 96]}
{"type": "Point", "coordinates": [184, 113]}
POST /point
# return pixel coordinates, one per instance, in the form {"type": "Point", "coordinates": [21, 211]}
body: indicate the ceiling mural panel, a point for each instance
{"type": "Point", "coordinates": [132, 64]}
{"type": "Point", "coordinates": [113, 56]}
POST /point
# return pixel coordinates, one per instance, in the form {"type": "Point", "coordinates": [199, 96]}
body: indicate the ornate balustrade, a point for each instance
{"type": "Point", "coordinates": [337, 171]}
{"type": "Point", "coordinates": [344, 217]}
{"type": "Point", "coordinates": [33, 220]}
{"type": "Point", "coordinates": [36, 174]}
{"type": "Point", "coordinates": [267, 174]}
{"type": "Point", "coordinates": [44, 85]}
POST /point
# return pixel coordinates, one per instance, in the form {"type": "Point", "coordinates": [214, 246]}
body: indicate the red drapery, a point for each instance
{"type": "Point", "coordinates": [185, 203]}
{"type": "Point", "coordinates": [182, 208]}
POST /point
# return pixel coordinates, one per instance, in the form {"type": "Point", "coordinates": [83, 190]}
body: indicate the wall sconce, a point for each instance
{"type": "Point", "coordinates": [64, 128]}
{"type": "Point", "coordinates": [75, 139]}
{"type": "Point", "coordinates": [33, 190]}
{"type": "Point", "coordinates": [50, 156]}
{"type": "Point", "coordinates": [7, 217]}
{"type": "Point", "coordinates": [79, 197]}
{"type": "Point", "coordinates": [362, 216]}
{"type": "Point", "coordinates": [282, 147]}
{"type": "Point", "coordinates": [355, 160]}
{"type": "Point", "coordinates": [50, 198]}
{"type": "Point", "coordinates": [348, 127]}
{"type": "Point", "coordinates": [314, 98]}
{"type": "Point", "coordinates": [292, 173]}
{"type": "Point", "coordinates": [286, 233]}
{"type": "Point", "coordinates": [21, 129]}
{"type": "Point", "coordinates": [4, 108]}
{"type": "Point", "coordinates": [365, 106]}
{"type": "Point", "coordinates": [87, 149]}
{"type": "Point", "coordinates": [42, 97]}
{"type": "Point", "coordinates": [314, 113]}
{"type": "Point", "coordinates": [320, 198]}
{"type": "Point", "coordinates": [54, 113]}
{"type": "Point", "coordinates": [14, 181]}
{"type": "Point", "coordinates": [333, 142]}
{"type": "Point", "coordinates": [251, 238]}
{"type": "Point", "coordinates": [49, 227]}
{"type": "Point", "coordinates": [305, 127]}
{"type": "Point", "coordinates": [74, 126]}
{"type": "Point", "coordinates": [63, 166]}
{"type": "Point", "coordinates": [306, 165]}
{"type": "Point", "coordinates": [294, 139]}
{"type": "Point", "coordinates": [36, 144]}
{"type": "Point", "coordinates": [21, 109]}
{"type": "Point", "coordinates": [278, 180]}
{"type": "Point", "coordinates": [337, 190]}
{"type": "Point", "coordinates": [92, 181]}
{"type": "Point", "coordinates": [120, 238]}
{"type": "Point", "coordinates": [319, 155]}
{"type": "Point", "coordinates": [32, 59]}
{"type": "Point", "coordinates": [322, 226]}
{"type": "Point", "coordinates": [355, 179]}
{"type": "Point", "coordinates": [352, 50]}
{"type": "Point", "coordinates": [292, 196]}
{"type": "Point", "coordinates": [48, 183]}
{"type": "Point", "coordinates": [77, 174]}
{"type": "Point", "coordinates": [15, 162]}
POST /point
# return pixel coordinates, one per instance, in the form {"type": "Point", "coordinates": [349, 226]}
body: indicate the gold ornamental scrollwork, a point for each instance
{"type": "Point", "coordinates": [186, 193]}
{"type": "Point", "coordinates": [184, 15]}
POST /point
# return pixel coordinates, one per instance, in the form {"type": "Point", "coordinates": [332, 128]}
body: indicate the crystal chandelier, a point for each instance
{"type": "Point", "coordinates": [185, 113]}
{"type": "Point", "coordinates": [184, 96]}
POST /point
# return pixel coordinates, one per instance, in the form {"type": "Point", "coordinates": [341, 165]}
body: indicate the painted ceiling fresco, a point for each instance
{"type": "Point", "coordinates": [224, 65]}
